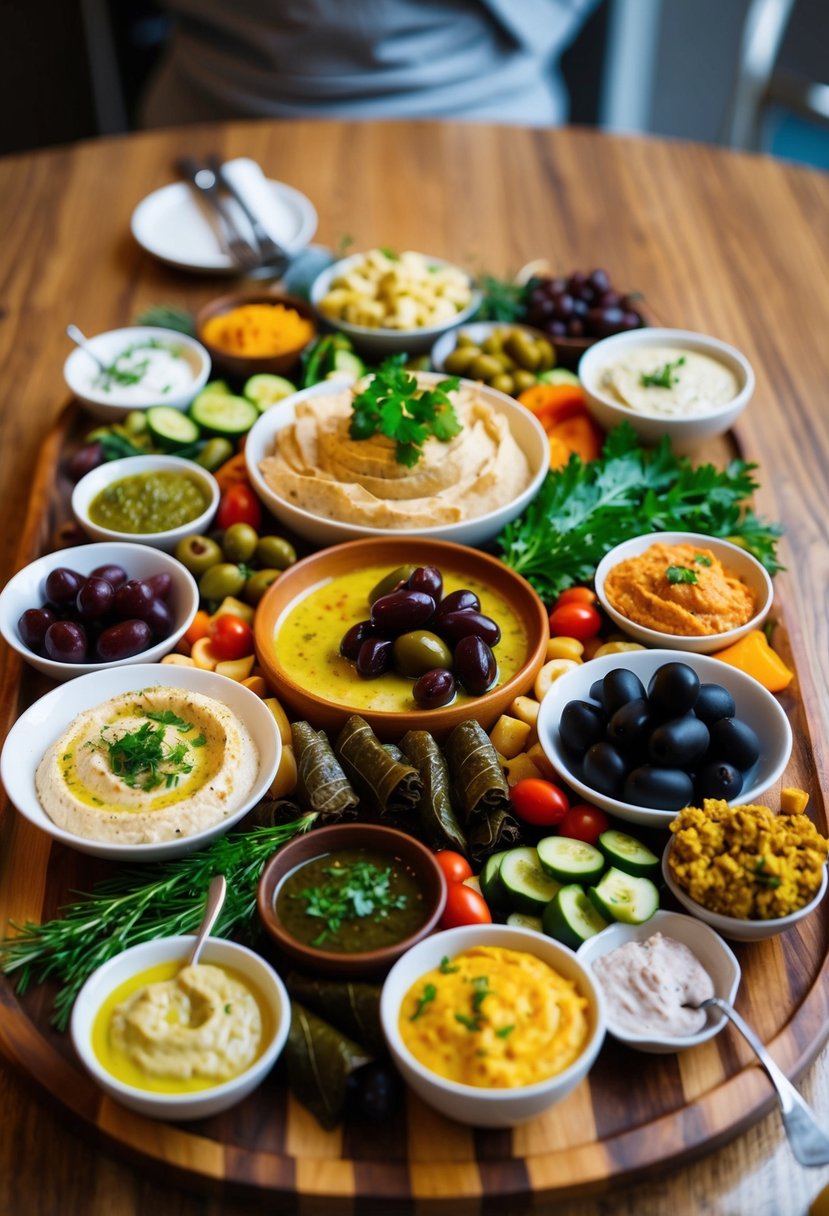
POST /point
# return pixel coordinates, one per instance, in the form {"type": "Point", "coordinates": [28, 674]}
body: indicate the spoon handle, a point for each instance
{"type": "Point", "coordinates": [808, 1140]}
{"type": "Point", "coordinates": [215, 898]}
{"type": "Point", "coordinates": [80, 339]}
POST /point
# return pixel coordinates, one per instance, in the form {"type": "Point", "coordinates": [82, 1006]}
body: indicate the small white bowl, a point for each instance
{"type": "Point", "coordinates": [684, 433]}
{"type": "Point", "coordinates": [735, 559]}
{"type": "Point", "coordinates": [526, 430]}
{"type": "Point", "coordinates": [478, 331]}
{"type": "Point", "coordinates": [80, 371]}
{"type": "Point", "coordinates": [46, 720]}
{"type": "Point", "coordinates": [26, 590]}
{"type": "Point", "coordinates": [378, 342]}
{"type": "Point", "coordinates": [735, 928]}
{"type": "Point", "coordinates": [755, 706]}
{"type": "Point", "coordinates": [711, 951]}
{"type": "Point", "coordinates": [488, 1107]}
{"type": "Point", "coordinates": [96, 481]}
{"type": "Point", "coordinates": [140, 958]}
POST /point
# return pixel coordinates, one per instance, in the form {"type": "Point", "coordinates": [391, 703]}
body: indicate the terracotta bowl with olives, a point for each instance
{"type": "Point", "coordinates": [449, 635]}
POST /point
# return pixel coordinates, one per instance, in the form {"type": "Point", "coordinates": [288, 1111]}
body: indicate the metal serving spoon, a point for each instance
{"type": "Point", "coordinates": [80, 339]}
{"type": "Point", "coordinates": [809, 1142]}
{"type": "Point", "coordinates": [215, 899]}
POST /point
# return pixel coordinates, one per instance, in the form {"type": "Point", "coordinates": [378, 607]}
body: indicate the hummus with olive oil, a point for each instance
{"type": "Point", "coordinates": [669, 382]}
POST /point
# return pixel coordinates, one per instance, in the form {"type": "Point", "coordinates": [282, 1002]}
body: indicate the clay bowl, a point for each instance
{"type": "Point", "coordinates": [242, 366]}
{"type": "Point", "coordinates": [378, 839]}
{"type": "Point", "coordinates": [325, 714]}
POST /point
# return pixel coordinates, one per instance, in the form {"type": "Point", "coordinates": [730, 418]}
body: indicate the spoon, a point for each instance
{"type": "Point", "coordinates": [80, 339]}
{"type": "Point", "coordinates": [215, 898]}
{"type": "Point", "coordinates": [809, 1142]}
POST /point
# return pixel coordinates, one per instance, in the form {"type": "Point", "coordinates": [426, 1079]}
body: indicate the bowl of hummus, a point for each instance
{"type": "Point", "coordinates": [329, 487]}
{"type": "Point", "coordinates": [141, 763]}
{"type": "Point", "coordinates": [174, 1041]}
{"type": "Point", "coordinates": [683, 590]}
{"type": "Point", "coordinates": [671, 382]}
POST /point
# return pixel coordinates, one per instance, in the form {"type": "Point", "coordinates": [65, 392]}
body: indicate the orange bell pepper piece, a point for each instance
{"type": "Point", "coordinates": [753, 655]}
{"type": "Point", "coordinates": [579, 434]}
{"type": "Point", "coordinates": [231, 471]}
{"type": "Point", "coordinates": [199, 627]}
{"type": "Point", "coordinates": [552, 403]}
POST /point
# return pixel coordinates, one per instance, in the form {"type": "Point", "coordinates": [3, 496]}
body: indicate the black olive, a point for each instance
{"type": "Point", "coordinates": [735, 741]}
{"type": "Point", "coordinates": [618, 687]}
{"type": "Point", "coordinates": [434, 689]}
{"type": "Point", "coordinates": [459, 601]}
{"type": "Point", "coordinates": [604, 769]}
{"type": "Point", "coordinates": [428, 579]}
{"type": "Point", "coordinates": [401, 611]}
{"type": "Point", "coordinates": [595, 693]}
{"type": "Point", "coordinates": [714, 702]}
{"type": "Point", "coordinates": [674, 689]}
{"type": "Point", "coordinates": [353, 639]}
{"type": "Point", "coordinates": [581, 725]}
{"type": "Point", "coordinates": [659, 789]}
{"type": "Point", "coordinates": [475, 665]}
{"type": "Point", "coordinates": [630, 726]}
{"type": "Point", "coordinates": [376, 1093]}
{"type": "Point", "coordinates": [456, 625]}
{"type": "Point", "coordinates": [718, 780]}
{"type": "Point", "coordinates": [679, 742]}
{"type": "Point", "coordinates": [374, 657]}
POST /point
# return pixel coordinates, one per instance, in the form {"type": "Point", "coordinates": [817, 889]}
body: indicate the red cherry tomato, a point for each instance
{"type": "Point", "coordinates": [576, 595]}
{"type": "Point", "coordinates": [539, 802]}
{"type": "Point", "coordinates": [584, 822]}
{"type": "Point", "coordinates": [239, 505]}
{"type": "Point", "coordinates": [464, 907]}
{"type": "Point", "coordinates": [230, 637]}
{"type": "Point", "coordinates": [454, 865]}
{"type": "Point", "coordinates": [574, 620]}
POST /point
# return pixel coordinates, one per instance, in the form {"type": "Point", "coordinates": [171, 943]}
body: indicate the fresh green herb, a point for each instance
{"type": "Point", "coordinates": [502, 300]}
{"type": "Point", "coordinates": [355, 891]}
{"type": "Point", "coordinates": [680, 574]}
{"type": "Point", "coordinates": [140, 904]}
{"type": "Point", "coordinates": [583, 510]}
{"type": "Point", "coordinates": [766, 880]}
{"type": "Point", "coordinates": [167, 718]}
{"type": "Point", "coordinates": [144, 761]}
{"type": "Point", "coordinates": [389, 253]}
{"type": "Point", "coordinates": [344, 244]}
{"type": "Point", "coordinates": [701, 560]}
{"type": "Point", "coordinates": [228, 1008]}
{"type": "Point", "coordinates": [505, 1031]}
{"type": "Point", "coordinates": [199, 741]}
{"type": "Point", "coordinates": [429, 994]}
{"type": "Point", "coordinates": [115, 446]}
{"type": "Point", "coordinates": [127, 369]}
{"type": "Point", "coordinates": [394, 404]}
{"type": "Point", "coordinates": [166, 316]}
{"type": "Point", "coordinates": [472, 1024]}
{"type": "Point", "coordinates": [482, 989]}
{"type": "Point", "coordinates": [664, 376]}
{"type": "Point", "coordinates": [445, 966]}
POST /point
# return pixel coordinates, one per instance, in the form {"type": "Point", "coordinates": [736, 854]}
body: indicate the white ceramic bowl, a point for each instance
{"type": "Point", "coordinates": [132, 962]}
{"type": "Point", "coordinates": [79, 371]}
{"type": "Point", "coordinates": [26, 590]}
{"type": "Point", "coordinates": [527, 432]}
{"type": "Point", "coordinates": [378, 342]}
{"type": "Point", "coordinates": [715, 956]}
{"type": "Point", "coordinates": [735, 559]}
{"type": "Point", "coordinates": [96, 481]}
{"type": "Point", "coordinates": [684, 433]}
{"type": "Point", "coordinates": [758, 708]}
{"type": "Point", "coordinates": [478, 331]}
{"type": "Point", "coordinates": [735, 928]}
{"type": "Point", "coordinates": [46, 720]}
{"type": "Point", "coordinates": [471, 1104]}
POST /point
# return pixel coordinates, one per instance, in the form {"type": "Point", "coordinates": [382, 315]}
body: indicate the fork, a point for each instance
{"type": "Point", "coordinates": [206, 182]}
{"type": "Point", "coordinates": [272, 254]}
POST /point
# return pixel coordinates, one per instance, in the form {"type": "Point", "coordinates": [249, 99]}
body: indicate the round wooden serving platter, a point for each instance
{"type": "Point", "coordinates": [634, 1114]}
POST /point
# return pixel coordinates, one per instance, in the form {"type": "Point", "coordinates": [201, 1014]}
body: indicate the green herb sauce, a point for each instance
{"type": "Point", "coordinates": [148, 502]}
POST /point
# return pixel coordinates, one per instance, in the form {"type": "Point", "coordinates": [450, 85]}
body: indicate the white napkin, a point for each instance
{"type": "Point", "coordinates": [269, 208]}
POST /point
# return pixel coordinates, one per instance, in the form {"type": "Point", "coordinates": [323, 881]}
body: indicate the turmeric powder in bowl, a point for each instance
{"type": "Point", "coordinates": [258, 331]}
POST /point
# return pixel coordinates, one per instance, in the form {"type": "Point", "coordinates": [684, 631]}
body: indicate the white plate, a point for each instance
{"type": "Point", "coordinates": [173, 225]}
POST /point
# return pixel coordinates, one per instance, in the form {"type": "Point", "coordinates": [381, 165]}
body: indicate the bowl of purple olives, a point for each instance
{"type": "Point", "coordinates": [646, 733]}
{"type": "Point", "coordinates": [97, 606]}
{"type": "Point", "coordinates": [578, 309]}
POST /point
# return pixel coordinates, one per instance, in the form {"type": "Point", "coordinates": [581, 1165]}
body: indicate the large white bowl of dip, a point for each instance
{"type": "Point", "coordinates": [146, 365]}
{"type": "Point", "coordinates": [666, 382]}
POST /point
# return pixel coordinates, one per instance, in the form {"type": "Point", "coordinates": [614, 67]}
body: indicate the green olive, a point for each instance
{"type": "Point", "coordinates": [390, 581]}
{"type": "Point", "coordinates": [466, 339]}
{"type": "Point", "coordinates": [523, 379]}
{"type": "Point", "coordinates": [198, 553]}
{"type": "Point", "coordinates": [275, 552]}
{"type": "Point", "coordinates": [548, 355]}
{"type": "Point", "coordinates": [258, 584]}
{"type": "Point", "coordinates": [135, 423]}
{"type": "Point", "coordinates": [523, 350]}
{"type": "Point", "coordinates": [420, 651]}
{"type": "Point", "coordinates": [483, 367]}
{"type": "Point", "coordinates": [457, 362]}
{"type": "Point", "coordinates": [493, 344]}
{"type": "Point", "coordinates": [214, 453]}
{"type": "Point", "coordinates": [239, 542]}
{"type": "Point", "coordinates": [220, 581]}
{"type": "Point", "coordinates": [503, 383]}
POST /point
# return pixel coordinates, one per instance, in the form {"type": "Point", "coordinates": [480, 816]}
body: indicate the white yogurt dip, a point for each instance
{"type": "Point", "coordinates": [649, 985]}
{"type": "Point", "coordinates": [669, 382]}
{"type": "Point", "coordinates": [145, 373]}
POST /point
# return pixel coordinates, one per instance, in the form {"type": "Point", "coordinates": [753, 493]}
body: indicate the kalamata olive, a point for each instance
{"type": "Point", "coordinates": [717, 779]}
{"type": "Point", "coordinates": [374, 657]}
{"type": "Point", "coordinates": [714, 702]}
{"type": "Point", "coordinates": [391, 582]}
{"type": "Point", "coordinates": [679, 742]}
{"type": "Point", "coordinates": [95, 598]}
{"type": "Point", "coordinates": [428, 579]}
{"type": "Point", "coordinates": [353, 639]}
{"type": "Point", "coordinates": [434, 688]}
{"type": "Point", "coordinates": [459, 601]}
{"type": "Point", "coordinates": [581, 725]}
{"type": "Point", "coordinates": [602, 322]}
{"type": "Point", "coordinates": [161, 584]}
{"type": "Point", "coordinates": [32, 627]}
{"type": "Point", "coordinates": [159, 616]}
{"type": "Point", "coordinates": [419, 651]}
{"type": "Point", "coordinates": [112, 573]}
{"type": "Point", "coordinates": [604, 769]}
{"type": "Point", "coordinates": [735, 741]}
{"type": "Point", "coordinates": [132, 599]}
{"type": "Point", "coordinates": [456, 625]}
{"type": "Point", "coordinates": [475, 665]}
{"type": "Point", "coordinates": [87, 458]}
{"type": "Point", "coordinates": [62, 586]}
{"type": "Point", "coordinates": [618, 687]}
{"type": "Point", "coordinates": [65, 642]}
{"type": "Point", "coordinates": [123, 640]}
{"type": "Point", "coordinates": [400, 611]}
{"type": "Point", "coordinates": [673, 690]}
{"type": "Point", "coordinates": [659, 789]}
{"type": "Point", "coordinates": [630, 727]}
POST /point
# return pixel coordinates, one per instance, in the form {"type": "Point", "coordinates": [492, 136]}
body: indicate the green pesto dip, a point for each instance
{"type": "Point", "coordinates": [149, 502]}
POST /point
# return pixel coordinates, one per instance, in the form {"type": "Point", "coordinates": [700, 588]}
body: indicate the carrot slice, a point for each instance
{"type": "Point", "coordinates": [579, 434]}
{"type": "Point", "coordinates": [553, 403]}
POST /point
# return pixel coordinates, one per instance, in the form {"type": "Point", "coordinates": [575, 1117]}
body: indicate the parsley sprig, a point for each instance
{"type": "Point", "coordinates": [664, 376]}
{"type": "Point", "coordinates": [680, 574]}
{"type": "Point", "coordinates": [394, 404]}
{"type": "Point", "coordinates": [352, 892]}
{"type": "Point", "coordinates": [142, 758]}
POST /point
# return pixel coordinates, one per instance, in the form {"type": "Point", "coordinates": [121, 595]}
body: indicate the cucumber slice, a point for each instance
{"type": "Point", "coordinates": [264, 390]}
{"type": "Point", "coordinates": [570, 860]}
{"type": "Point", "coordinates": [623, 897]}
{"type": "Point", "coordinates": [492, 888]}
{"type": "Point", "coordinates": [628, 854]}
{"type": "Point", "coordinates": [558, 375]}
{"type": "Point", "coordinates": [571, 918]}
{"type": "Point", "coordinates": [223, 414]}
{"type": "Point", "coordinates": [346, 361]}
{"type": "Point", "coordinates": [521, 920]}
{"type": "Point", "coordinates": [528, 888]}
{"type": "Point", "coordinates": [171, 428]}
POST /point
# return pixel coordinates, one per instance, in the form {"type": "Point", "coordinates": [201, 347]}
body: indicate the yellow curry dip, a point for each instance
{"type": "Point", "coordinates": [679, 589]}
{"type": "Point", "coordinates": [494, 1018]}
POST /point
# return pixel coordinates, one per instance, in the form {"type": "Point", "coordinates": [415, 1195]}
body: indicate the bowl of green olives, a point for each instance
{"type": "Point", "coordinates": [508, 358]}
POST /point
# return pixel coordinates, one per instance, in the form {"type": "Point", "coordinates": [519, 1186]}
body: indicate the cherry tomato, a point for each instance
{"type": "Point", "coordinates": [584, 822]}
{"type": "Point", "coordinates": [454, 865]}
{"type": "Point", "coordinates": [577, 595]}
{"type": "Point", "coordinates": [464, 907]}
{"type": "Point", "coordinates": [574, 620]}
{"type": "Point", "coordinates": [230, 637]}
{"type": "Point", "coordinates": [539, 802]}
{"type": "Point", "coordinates": [239, 505]}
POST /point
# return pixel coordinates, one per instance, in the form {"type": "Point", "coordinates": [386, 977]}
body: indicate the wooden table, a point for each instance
{"type": "Point", "coordinates": [731, 245]}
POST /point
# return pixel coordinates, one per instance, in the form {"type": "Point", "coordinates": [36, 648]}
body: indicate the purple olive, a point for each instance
{"type": "Point", "coordinates": [428, 579]}
{"type": "Point", "coordinates": [161, 585]}
{"type": "Point", "coordinates": [401, 611]}
{"type": "Point", "coordinates": [62, 586]}
{"type": "Point", "coordinates": [434, 688]}
{"type": "Point", "coordinates": [94, 600]}
{"type": "Point", "coordinates": [475, 665]}
{"type": "Point", "coordinates": [112, 573]}
{"type": "Point", "coordinates": [456, 625]}
{"type": "Point", "coordinates": [87, 458]}
{"type": "Point", "coordinates": [159, 617]}
{"type": "Point", "coordinates": [353, 639]}
{"type": "Point", "coordinates": [459, 601]}
{"type": "Point", "coordinates": [123, 640]}
{"type": "Point", "coordinates": [374, 657]}
{"type": "Point", "coordinates": [133, 599]}
{"type": "Point", "coordinates": [32, 627]}
{"type": "Point", "coordinates": [65, 642]}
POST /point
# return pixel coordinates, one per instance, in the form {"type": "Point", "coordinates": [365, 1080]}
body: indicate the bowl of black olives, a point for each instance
{"type": "Point", "coordinates": [646, 733]}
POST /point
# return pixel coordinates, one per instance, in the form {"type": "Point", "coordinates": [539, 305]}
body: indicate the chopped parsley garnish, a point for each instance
{"type": "Point", "coordinates": [681, 574]}
{"type": "Point", "coordinates": [394, 404]}
{"type": "Point", "coordinates": [767, 880]}
{"type": "Point", "coordinates": [143, 760]}
{"type": "Point", "coordinates": [480, 984]}
{"type": "Point", "coordinates": [664, 376]}
{"type": "Point", "coordinates": [168, 718]}
{"type": "Point", "coordinates": [505, 1031]}
{"type": "Point", "coordinates": [701, 560]}
{"type": "Point", "coordinates": [354, 891]}
{"type": "Point", "coordinates": [473, 1023]}
{"type": "Point", "coordinates": [445, 967]}
{"type": "Point", "coordinates": [126, 369]}
{"type": "Point", "coordinates": [429, 994]}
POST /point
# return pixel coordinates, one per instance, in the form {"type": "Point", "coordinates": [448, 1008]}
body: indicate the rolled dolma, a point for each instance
{"type": "Point", "coordinates": [383, 783]}
{"type": "Point", "coordinates": [321, 783]}
{"type": "Point", "coordinates": [319, 1060]}
{"type": "Point", "coordinates": [438, 817]}
{"type": "Point", "coordinates": [480, 789]}
{"type": "Point", "coordinates": [350, 1005]}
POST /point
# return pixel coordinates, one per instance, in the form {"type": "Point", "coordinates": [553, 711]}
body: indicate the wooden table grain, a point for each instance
{"type": "Point", "coordinates": [732, 245]}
